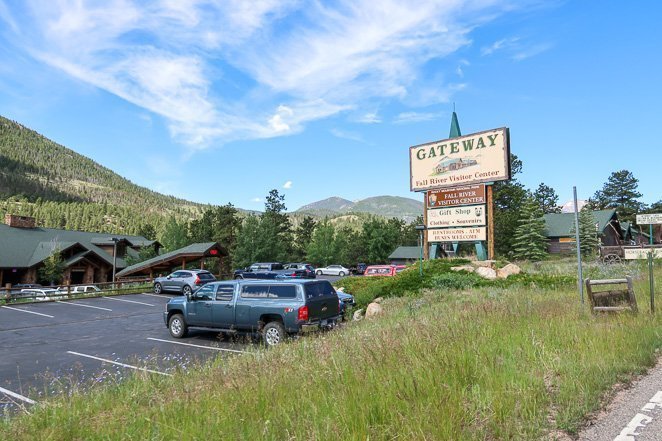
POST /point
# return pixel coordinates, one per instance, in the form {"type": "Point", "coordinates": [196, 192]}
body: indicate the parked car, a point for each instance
{"type": "Point", "coordinates": [346, 300]}
{"type": "Point", "coordinates": [308, 269]}
{"type": "Point", "coordinates": [383, 270]}
{"type": "Point", "coordinates": [37, 293]}
{"type": "Point", "coordinates": [82, 289]}
{"type": "Point", "coordinates": [332, 270]}
{"type": "Point", "coordinates": [359, 269]}
{"type": "Point", "coordinates": [184, 281]}
{"type": "Point", "coordinates": [271, 270]}
{"type": "Point", "coordinates": [274, 309]}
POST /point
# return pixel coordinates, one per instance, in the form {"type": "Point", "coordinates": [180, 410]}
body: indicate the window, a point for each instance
{"type": "Point", "coordinates": [225, 292]}
{"type": "Point", "coordinates": [205, 293]}
{"type": "Point", "coordinates": [206, 276]}
{"type": "Point", "coordinates": [255, 291]}
{"type": "Point", "coordinates": [319, 290]}
{"type": "Point", "coordinates": [282, 292]}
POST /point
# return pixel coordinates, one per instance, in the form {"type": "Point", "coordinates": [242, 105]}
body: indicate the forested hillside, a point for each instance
{"type": "Point", "coordinates": [36, 167]}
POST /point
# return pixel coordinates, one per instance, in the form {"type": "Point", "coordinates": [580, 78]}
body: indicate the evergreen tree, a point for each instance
{"type": "Point", "coordinates": [588, 233]}
{"type": "Point", "coordinates": [547, 199]}
{"type": "Point", "coordinates": [529, 241]}
{"type": "Point", "coordinates": [147, 231]}
{"type": "Point", "coordinates": [246, 250]}
{"type": "Point", "coordinates": [322, 250]}
{"type": "Point", "coordinates": [508, 197]}
{"type": "Point", "coordinates": [275, 233]}
{"type": "Point", "coordinates": [303, 236]}
{"type": "Point", "coordinates": [174, 235]}
{"type": "Point", "coordinates": [619, 192]}
{"type": "Point", "coordinates": [53, 268]}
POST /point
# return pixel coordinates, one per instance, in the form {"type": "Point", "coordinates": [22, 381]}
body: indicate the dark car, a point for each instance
{"type": "Point", "coordinates": [358, 270]}
{"type": "Point", "coordinates": [308, 270]}
{"type": "Point", "coordinates": [269, 270]}
{"type": "Point", "coordinates": [183, 281]}
{"type": "Point", "coordinates": [346, 300]}
{"type": "Point", "coordinates": [272, 308]}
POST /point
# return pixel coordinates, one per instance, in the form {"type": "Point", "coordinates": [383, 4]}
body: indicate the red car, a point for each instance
{"type": "Point", "coordinates": [383, 270]}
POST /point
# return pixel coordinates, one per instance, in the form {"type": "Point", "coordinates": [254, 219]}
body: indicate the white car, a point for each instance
{"type": "Point", "coordinates": [333, 270]}
{"type": "Point", "coordinates": [38, 293]}
{"type": "Point", "coordinates": [83, 289]}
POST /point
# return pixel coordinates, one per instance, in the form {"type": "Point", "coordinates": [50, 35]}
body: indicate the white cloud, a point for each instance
{"type": "Point", "coordinates": [531, 51]}
{"type": "Point", "coordinates": [516, 47]}
{"type": "Point", "coordinates": [256, 200]}
{"type": "Point", "coordinates": [287, 185]}
{"type": "Point", "coordinates": [218, 71]}
{"type": "Point", "coordinates": [498, 45]}
{"type": "Point", "coordinates": [412, 117]}
{"type": "Point", "coordinates": [352, 136]}
{"type": "Point", "coordinates": [369, 118]}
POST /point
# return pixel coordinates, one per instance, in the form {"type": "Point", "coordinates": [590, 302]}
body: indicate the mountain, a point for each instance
{"type": "Point", "coordinates": [387, 206]}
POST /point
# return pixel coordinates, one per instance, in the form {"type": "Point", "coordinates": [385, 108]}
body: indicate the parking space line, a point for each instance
{"type": "Point", "coordinates": [157, 295]}
{"type": "Point", "coordinates": [118, 363]}
{"type": "Point", "coordinates": [128, 301]}
{"type": "Point", "coordinates": [25, 310]}
{"type": "Point", "coordinates": [196, 346]}
{"type": "Point", "coordinates": [84, 306]}
{"type": "Point", "coordinates": [17, 396]}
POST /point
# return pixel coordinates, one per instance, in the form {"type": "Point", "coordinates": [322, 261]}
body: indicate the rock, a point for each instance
{"type": "Point", "coordinates": [358, 315]}
{"type": "Point", "coordinates": [484, 263]}
{"type": "Point", "coordinates": [341, 289]}
{"type": "Point", "coordinates": [486, 273]}
{"type": "Point", "coordinates": [373, 310]}
{"type": "Point", "coordinates": [467, 268]}
{"type": "Point", "coordinates": [378, 300]}
{"type": "Point", "coordinates": [508, 270]}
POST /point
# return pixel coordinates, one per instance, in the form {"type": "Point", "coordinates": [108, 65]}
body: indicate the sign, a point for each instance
{"type": "Point", "coordinates": [472, 234]}
{"type": "Point", "coordinates": [642, 253]}
{"type": "Point", "coordinates": [466, 216]}
{"type": "Point", "coordinates": [474, 194]}
{"type": "Point", "coordinates": [471, 159]}
{"type": "Point", "coordinates": [649, 219]}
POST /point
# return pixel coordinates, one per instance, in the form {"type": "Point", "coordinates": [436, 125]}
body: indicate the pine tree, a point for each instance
{"type": "Point", "coordinates": [588, 233]}
{"type": "Point", "coordinates": [547, 199]}
{"type": "Point", "coordinates": [246, 251]}
{"type": "Point", "coordinates": [508, 199]}
{"type": "Point", "coordinates": [322, 250]}
{"type": "Point", "coordinates": [619, 192]}
{"type": "Point", "coordinates": [53, 268]}
{"type": "Point", "coordinates": [529, 241]}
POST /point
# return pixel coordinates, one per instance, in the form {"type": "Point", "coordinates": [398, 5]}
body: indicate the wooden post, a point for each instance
{"type": "Point", "coordinates": [202, 263]}
{"type": "Point", "coordinates": [183, 262]}
{"type": "Point", "coordinates": [426, 247]}
{"type": "Point", "coordinates": [490, 224]}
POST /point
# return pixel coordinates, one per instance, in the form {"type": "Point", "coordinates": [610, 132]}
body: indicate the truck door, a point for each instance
{"type": "Point", "coordinates": [200, 307]}
{"type": "Point", "coordinates": [223, 310]}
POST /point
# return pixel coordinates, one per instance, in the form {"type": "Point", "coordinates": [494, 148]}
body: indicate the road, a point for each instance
{"type": "Point", "coordinates": [49, 347]}
{"type": "Point", "coordinates": [634, 414]}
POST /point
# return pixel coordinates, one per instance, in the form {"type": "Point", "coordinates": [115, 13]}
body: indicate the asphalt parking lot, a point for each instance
{"type": "Point", "coordinates": [50, 347]}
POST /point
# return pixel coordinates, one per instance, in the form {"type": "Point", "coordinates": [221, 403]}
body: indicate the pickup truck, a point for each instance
{"type": "Point", "coordinates": [269, 271]}
{"type": "Point", "coordinates": [274, 309]}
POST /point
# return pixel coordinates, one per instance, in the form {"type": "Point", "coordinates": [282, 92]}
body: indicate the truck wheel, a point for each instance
{"type": "Point", "coordinates": [177, 326]}
{"type": "Point", "coordinates": [273, 334]}
{"type": "Point", "coordinates": [186, 290]}
{"type": "Point", "coordinates": [157, 288]}
{"type": "Point", "coordinates": [238, 277]}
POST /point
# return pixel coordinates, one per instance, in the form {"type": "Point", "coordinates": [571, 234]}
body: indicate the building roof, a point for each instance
{"type": "Point", "coordinates": [406, 253]}
{"type": "Point", "coordinates": [26, 247]}
{"type": "Point", "coordinates": [455, 127]}
{"type": "Point", "coordinates": [562, 224]}
{"type": "Point", "coordinates": [195, 250]}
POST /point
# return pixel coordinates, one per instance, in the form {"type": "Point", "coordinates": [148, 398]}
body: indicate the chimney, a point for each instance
{"type": "Point", "coordinates": [20, 221]}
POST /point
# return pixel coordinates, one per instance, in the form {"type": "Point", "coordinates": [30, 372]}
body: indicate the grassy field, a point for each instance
{"type": "Point", "coordinates": [501, 360]}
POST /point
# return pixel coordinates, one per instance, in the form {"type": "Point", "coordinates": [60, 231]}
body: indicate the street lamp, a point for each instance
{"type": "Point", "coordinates": [420, 229]}
{"type": "Point", "coordinates": [115, 240]}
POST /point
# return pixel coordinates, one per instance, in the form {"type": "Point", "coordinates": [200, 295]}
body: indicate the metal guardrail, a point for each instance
{"type": "Point", "coordinates": [10, 294]}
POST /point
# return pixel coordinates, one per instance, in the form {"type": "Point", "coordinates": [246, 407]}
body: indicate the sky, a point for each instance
{"type": "Point", "coordinates": [222, 101]}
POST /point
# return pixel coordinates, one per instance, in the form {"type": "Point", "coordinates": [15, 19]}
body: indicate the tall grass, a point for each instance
{"type": "Point", "coordinates": [493, 362]}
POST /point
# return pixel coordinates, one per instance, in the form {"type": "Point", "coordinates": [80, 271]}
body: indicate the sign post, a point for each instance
{"type": "Point", "coordinates": [650, 219]}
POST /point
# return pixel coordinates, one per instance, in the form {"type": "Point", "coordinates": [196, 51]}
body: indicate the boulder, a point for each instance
{"type": "Point", "coordinates": [508, 270]}
{"type": "Point", "coordinates": [358, 315]}
{"type": "Point", "coordinates": [467, 268]}
{"type": "Point", "coordinates": [373, 310]}
{"type": "Point", "coordinates": [484, 263]}
{"type": "Point", "coordinates": [378, 300]}
{"type": "Point", "coordinates": [486, 273]}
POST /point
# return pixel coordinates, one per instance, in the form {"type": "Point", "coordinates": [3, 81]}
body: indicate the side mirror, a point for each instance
{"type": "Point", "coordinates": [168, 277]}
{"type": "Point", "coordinates": [189, 296]}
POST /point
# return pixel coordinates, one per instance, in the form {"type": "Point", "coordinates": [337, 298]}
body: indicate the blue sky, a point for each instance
{"type": "Point", "coordinates": [221, 101]}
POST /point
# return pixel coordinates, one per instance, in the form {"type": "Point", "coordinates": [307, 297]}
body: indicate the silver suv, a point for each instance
{"type": "Point", "coordinates": [184, 281]}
